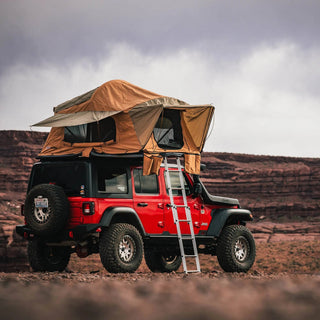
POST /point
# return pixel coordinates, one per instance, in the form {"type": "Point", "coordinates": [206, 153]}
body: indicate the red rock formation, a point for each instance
{"type": "Point", "coordinates": [277, 188]}
{"type": "Point", "coordinates": [18, 151]}
{"type": "Point", "coordinates": [273, 187]}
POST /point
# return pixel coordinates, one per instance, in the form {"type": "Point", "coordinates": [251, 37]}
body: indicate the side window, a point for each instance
{"type": "Point", "coordinates": [145, 184]}
{"type": "Point", "coordinates": [175, 183]}
{"type": "Point", "coordinates": [112, 180]}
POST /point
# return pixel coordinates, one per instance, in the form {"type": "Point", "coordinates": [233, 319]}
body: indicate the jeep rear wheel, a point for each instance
{"type": "Point", "coordinates": [46, 258]}
{"type": "Point", "coordinates": [46, 209]}
{"type": "Point", "coordinates": [121, 248]}
{"type": "Point", "coordinates": [236, 249]}
{"type": "Point", "coordinates": [162, 262]}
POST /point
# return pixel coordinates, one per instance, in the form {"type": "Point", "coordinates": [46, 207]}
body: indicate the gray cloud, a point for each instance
{"type": "Point", "coordinates": [36, 31]}
{"type": "Point", "coordinates": [256, 61]}
{"type": "Point", "coordinates": [261, 106]}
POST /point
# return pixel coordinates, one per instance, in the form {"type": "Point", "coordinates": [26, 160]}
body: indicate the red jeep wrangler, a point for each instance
{"type": "Point", "coordinates": [106, 205]}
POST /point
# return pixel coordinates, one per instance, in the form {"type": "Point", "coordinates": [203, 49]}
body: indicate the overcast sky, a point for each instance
{"type": "Point", "coordinates": [257, 62]}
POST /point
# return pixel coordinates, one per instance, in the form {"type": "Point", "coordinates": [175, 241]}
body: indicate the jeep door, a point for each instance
{"type": "Point", "coordinates": [193, 203]}
{"type": "Point", "coordinates": [148, 201]}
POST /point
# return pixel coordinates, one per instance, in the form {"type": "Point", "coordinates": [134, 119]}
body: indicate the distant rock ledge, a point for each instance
{"type": "Point", "coordinates": [270, 186]}
{"type": "Point", "coordinates": [275, 189]}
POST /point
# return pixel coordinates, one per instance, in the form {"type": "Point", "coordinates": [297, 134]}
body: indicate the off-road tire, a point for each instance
{"type": "Point", "coordinates": [45, 258]}
{"type": "Point", "coordinates": [159, 262]}
{"type": "Point", "coordinates": [236, 249]}
{"type": "Point", "coordinates": [121, 248]}
{"type": "Point", "coordinates": [48, 221]}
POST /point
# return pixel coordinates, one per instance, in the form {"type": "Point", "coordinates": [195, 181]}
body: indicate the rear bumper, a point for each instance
{"type": "Point", "coordinates": [23, 231]}
{"type": "Point", "coordinates": [77, 233]}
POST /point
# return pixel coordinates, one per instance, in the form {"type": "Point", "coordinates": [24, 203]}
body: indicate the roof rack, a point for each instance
{"type": "Point", "coordinates": [59, 157]}
{"type": "Point", "coordinates": [172, 154]}
{"type": "Point", "coordinates": [93, 154]}
{"type": "Point", "coordinates": [123, 156]}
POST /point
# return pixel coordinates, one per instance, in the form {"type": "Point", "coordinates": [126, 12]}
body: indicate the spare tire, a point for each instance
{"type": "Point", "coordinates": [46, 209]}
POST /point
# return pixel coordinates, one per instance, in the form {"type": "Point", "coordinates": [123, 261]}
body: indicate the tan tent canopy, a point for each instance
{"type": "Point", "coordinates": [121, 118]}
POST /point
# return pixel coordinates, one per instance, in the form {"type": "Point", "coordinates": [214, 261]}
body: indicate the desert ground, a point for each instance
{"type": "Point", "coordinates": [283, 284]}
{"type": "Point", "coordinates": [282, 192]}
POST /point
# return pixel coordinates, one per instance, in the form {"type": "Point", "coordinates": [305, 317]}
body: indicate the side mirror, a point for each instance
{"type": "Point", "coordinates": [203, 167]}
{"type": "Point", "coordinates": [197, 189]}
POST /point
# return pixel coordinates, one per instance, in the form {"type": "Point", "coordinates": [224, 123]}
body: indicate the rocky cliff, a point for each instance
{"type": "Point", "coordinates": [18, 151]}
{"type": "Point", "coordinates": [278, 188]}
{"type": "Point", "coordinates": [274, 188]}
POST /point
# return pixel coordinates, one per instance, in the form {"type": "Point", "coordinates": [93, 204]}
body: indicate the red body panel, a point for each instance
{"type": "Point", "coordinates": [149, 208]}
{"type": "Point", "coordinates": [154, 214]}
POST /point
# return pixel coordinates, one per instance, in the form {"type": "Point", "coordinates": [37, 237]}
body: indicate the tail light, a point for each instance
{"type": "Point", "coordinates": [88, 208]}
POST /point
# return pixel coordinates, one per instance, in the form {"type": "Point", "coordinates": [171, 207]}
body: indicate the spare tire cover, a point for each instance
{"type": "Point", "coordinates": [46, 209]}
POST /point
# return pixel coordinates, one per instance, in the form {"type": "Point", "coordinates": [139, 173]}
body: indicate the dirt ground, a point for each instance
{"type": "Point", "coordinates": [283, 284]}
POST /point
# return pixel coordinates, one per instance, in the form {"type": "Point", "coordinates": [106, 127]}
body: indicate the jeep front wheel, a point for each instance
{"type": "Point", "coordinates": [121, 248]}
{"type": "Point", "coordinates": [236, 249]}
{"type": "Point", "coordinates": [162, 262]}
{"type": "Point", "coordinates": [47, 258]}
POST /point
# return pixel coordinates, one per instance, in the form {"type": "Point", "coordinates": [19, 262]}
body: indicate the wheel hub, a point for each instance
{"type": "Point", "coordinates": [126, 248]}
{"type": "Point", "coordinates": [169, 259]}
{"type": "Point", "coordinates": [41, 214]}
{"type": "Point", "coordinates": [241, 249]}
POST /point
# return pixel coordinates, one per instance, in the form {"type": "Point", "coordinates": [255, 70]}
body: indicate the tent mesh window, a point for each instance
{"type": "Point", "coordinates": [100, 131]}
{"type": "Point", "coordinates": [167, 131]}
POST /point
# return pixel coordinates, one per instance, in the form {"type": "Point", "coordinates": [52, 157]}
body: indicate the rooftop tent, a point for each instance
{"type": "Point", "coordinates": [121, 118]}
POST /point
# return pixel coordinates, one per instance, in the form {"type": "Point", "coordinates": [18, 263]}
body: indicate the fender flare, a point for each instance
{"type": "Point", "coordinates": [221, 216]}
{"type": "Point", "coordinates": [111, 212]}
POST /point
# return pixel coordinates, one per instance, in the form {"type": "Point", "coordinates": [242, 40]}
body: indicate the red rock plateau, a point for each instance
{"type": "Point", "coordinates": [278, 188]}
{"type": "Point", "coordinates": [282, 192]}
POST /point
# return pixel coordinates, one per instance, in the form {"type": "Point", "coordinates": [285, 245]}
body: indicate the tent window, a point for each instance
{"type": "Point", "coordinates": [167, 131]}
{"type": "Point", "coordinates": [76, 133]}
{"type": "Point", "coordinates": [100, 131]}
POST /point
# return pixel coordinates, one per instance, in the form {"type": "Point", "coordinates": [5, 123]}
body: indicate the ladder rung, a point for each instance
{"type": "Point", "coordinates": [184, 220]}
{"type": "Point", "coordinates": [177, 188]}
{"type": "Point", "coordinates": [177, 206]}
{"type": "Point", "coordinates": [187, 237]}
{"type": "Point", "coordinates": [193, 271]}
{"type": "Point", "coordinates": [190, 255]}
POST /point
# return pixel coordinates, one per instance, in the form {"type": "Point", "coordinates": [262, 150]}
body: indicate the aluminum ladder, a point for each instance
{"type": "Point", "coordinates": [187, 219]}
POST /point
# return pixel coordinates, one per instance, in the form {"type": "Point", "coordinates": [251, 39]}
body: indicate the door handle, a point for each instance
{"type": "Point", "coordinates": [142, 204]}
